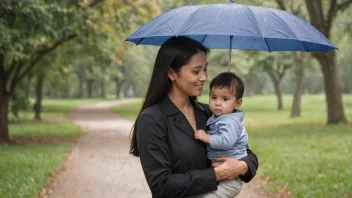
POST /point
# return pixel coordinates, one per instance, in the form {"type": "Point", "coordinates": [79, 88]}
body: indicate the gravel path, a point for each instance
{"type": "Point", "coordinates": [99, 164]}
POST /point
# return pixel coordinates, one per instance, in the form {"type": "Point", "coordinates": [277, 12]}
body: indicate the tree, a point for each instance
{"type": "Point", "coordinates": [27, 35]}
{"type": "Point", "coordinates": [300, 62]}
{"type": "Point", "coordinates": [323, 21]}
{"type": "Point", "coordinates": [32, 29]}
{"type": "Point", "coordinates": [275, 66]}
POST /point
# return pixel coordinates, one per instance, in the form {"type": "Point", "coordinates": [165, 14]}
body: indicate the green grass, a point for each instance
{"type": "Point", "coordinates": [302, 155]}
{"type": "Point", "coordinates": [128, 111]}
{"type": "Point", "coordinates": [310, 160]}
{"type": "Point", "coordinates": [43, 129]}
{"type": "Point", "coordinates": [54, 108]}
{"type": "Point", "coordinates": [25, 167]}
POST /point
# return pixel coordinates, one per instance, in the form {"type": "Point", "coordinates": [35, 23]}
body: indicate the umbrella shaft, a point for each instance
{"type": "Point", "coordinates": [230, 50]}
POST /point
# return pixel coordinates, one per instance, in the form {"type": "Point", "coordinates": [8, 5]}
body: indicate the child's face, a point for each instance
{"type": "Point", "coordinates": [223, 101]}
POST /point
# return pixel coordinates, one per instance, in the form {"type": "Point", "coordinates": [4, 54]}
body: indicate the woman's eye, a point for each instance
{"type": "Point", "coordinates": [206, 69]}
{"type": "Point", "coordinates": [195, 72]}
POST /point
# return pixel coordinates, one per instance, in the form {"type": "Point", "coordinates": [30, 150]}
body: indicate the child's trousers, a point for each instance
{"type": "Point", "coordinates": [226, 189]}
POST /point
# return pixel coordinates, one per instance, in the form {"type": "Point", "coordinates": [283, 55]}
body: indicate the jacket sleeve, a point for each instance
{"type": "Point", "coordinates": [252, 162]}
{"type": "Point", "coordinates": [226, 135]}
{"type": "Point", "coordinates": [156, 163]}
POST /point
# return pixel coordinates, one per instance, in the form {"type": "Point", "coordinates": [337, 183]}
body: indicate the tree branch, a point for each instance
{"type": "Point", "coordinates": [2, 65]}
{"type": "Point", "coordinates": [295, 11]}
{"type": "Point", "coordinates": [331, 14]}
{"type": "Point", "coordinates": [281, 4]}
{"type": "Point", "coordinates": [315, 11]}
{"type": "Point", "coordinates": [342, 6]}
{"type": "Point", "coordinates": [333, 9]}
{"type": "Point", "coordinates": [18, 68]}
{"type": "Point", "coordinates": [95, 3]}
{"type": "Point", "coordinates": [13, 66]}
{"type": "Point", "coordinates": [40, 56]}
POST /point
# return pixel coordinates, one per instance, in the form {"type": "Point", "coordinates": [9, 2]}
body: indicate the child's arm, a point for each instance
{"type": "Point", "coordinates": [226, 136]}
{"type": "Point", "coordinates": [202, 136]}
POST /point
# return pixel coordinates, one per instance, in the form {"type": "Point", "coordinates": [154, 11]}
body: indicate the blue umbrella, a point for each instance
{"type": "Point", "coordinates": [234, 26]}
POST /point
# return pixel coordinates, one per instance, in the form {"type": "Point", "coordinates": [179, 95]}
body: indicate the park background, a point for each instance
{"type": "Point", "coordinates": [58, 55]}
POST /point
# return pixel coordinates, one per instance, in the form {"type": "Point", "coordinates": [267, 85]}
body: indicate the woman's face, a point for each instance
{"type": "Point", "coordinates": [191, 77]}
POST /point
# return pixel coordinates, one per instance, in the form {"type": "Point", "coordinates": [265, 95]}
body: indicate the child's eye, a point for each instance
{"type": "Point", "coordinates": [214, 98]}
{"type": "Point", "coordinates": [206, 69]}
{"type": "Point", "coordinates": [226, 99]}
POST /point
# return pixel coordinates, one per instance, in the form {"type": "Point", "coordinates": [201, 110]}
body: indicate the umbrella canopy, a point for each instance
{"type": "Point", "coordinates": [234, 26]}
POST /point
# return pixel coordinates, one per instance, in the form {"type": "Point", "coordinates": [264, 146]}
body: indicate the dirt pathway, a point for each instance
{"type": "Point", "coordinates": [99, 164]}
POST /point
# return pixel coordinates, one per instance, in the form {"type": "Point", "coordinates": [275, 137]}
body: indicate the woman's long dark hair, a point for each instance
{"type": "Point", "coordinates": [174, 53]}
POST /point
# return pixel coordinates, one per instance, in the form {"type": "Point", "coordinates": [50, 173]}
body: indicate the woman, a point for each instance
{"type": "Point", "coordinates": [174, 163]}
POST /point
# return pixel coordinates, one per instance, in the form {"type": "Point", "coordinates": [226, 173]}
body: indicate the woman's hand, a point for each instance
{"type": "Point", "coordinates": [230, 168]}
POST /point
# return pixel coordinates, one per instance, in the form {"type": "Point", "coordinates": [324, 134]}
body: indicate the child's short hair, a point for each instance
{"type": "Point", "coordinates": [229, 80]}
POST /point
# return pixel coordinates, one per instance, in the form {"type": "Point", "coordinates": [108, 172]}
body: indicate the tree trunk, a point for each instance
{"type": "Point", "coordinates": [278, 95]}
{"type": "Point", "coordinates": [80, 88]}
{"type": "Point", "coordinates": [89, 87]}
{"type": "Point", "coordinates": [276, 80]}
{"type": "Point", "coordinates": [39, 96]}
{"type": "Point", "coordinates": [299, 74]}
{"type": "Point", "coordinates": [4, 108]}
{"type": "Point", "coordinates": [102, 87]}
{"type": "Point", "coordinates": [332, 87]}
{"type": "Point", "coordinates": [118, 88]}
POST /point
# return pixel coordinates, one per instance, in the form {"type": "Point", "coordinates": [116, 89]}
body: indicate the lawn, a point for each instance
{"type": "Point", "coordinates": [25, 167]}
{"type": "Point", "coordinates": [301, 155]}
{"type": "Point", "coordinates": [54, 108]}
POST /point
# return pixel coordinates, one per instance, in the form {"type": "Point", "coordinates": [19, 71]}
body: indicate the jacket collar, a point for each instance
{"type": "Point", "coordinates": [179, 119]}
{"type": "Point", "coordinates": [169, 108]}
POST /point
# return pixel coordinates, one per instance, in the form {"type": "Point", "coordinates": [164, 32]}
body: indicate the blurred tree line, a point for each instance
{"type": "Point", "coordinates": [75, 49]}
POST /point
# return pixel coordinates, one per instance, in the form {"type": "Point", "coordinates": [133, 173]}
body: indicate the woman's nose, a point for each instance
{"type": "Point", "coordinates": [203, 76]}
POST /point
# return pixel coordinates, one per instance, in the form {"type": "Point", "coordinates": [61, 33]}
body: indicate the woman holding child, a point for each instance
{"type": "Point", "coordinates": [174, 162]}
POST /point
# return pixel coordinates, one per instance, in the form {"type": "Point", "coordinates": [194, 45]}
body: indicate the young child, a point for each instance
{"type": "Point", "coordinates": [226, 135]}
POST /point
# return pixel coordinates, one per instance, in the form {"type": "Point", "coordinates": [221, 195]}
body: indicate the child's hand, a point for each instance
{"type": "Point", "coordinates": [202, 136]}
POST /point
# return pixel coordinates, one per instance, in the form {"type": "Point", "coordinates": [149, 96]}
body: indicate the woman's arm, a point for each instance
{"type": "Point", "coordinates": [155, 159]}
{"type": "Point", "coordinates": [252, 163]}
{"type": "Point", "coordinates": [231, 168]}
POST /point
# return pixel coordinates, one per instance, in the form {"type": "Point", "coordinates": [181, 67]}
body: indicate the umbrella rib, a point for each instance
{"type": "Point", "coordinates": [204, 39]}
{"type": "Point", "coordinates": [307, 50]}
{"type": "Point", "coordinates": [140, 40]}
{"type": "Point", "coordinates": [256, 22]}
{"type": "Point", "coordinates": [266, 42]}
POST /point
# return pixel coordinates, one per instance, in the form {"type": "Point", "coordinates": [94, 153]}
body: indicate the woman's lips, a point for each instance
{"type": "Point", "coordinates": [199, 86]}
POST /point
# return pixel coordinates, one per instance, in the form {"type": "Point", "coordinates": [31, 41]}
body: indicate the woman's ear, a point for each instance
{"type": "Point", "coordinates": [171, 74]}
